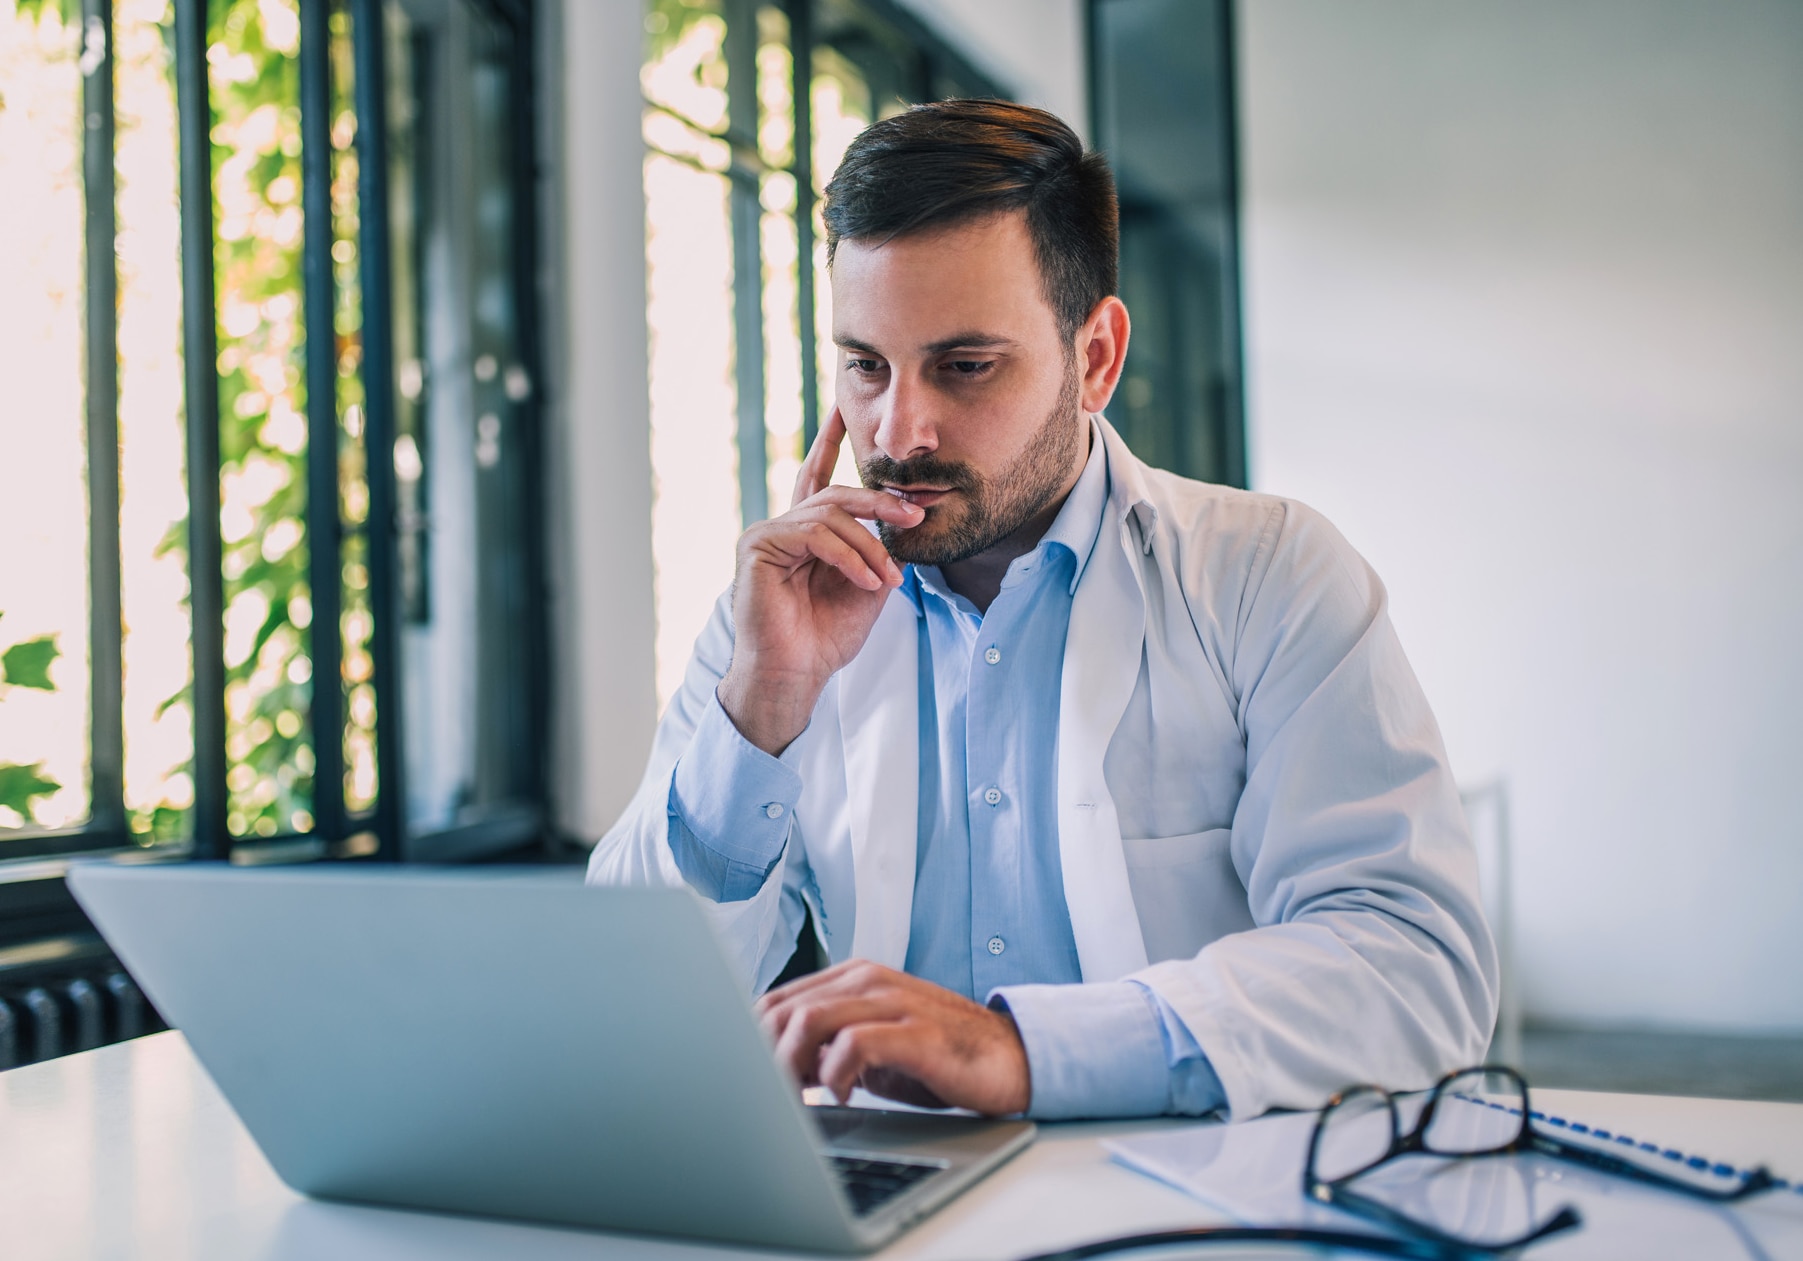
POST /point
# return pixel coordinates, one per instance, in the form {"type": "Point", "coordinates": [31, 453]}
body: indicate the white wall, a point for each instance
{"type": "Point", "coordinates": [1033, 48]}
{"type": "Point", "coordinates": [1524, 291]}
{"type": "Point", "coordinates": [598, 476]}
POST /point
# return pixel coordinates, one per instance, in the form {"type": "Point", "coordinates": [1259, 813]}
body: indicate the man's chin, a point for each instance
{"type": "Point", "coordinates": [929, 543]}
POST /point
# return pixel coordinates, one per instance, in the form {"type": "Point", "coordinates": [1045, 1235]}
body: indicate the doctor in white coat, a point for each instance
{"type": "Point", "coordinates": [1258, 864]}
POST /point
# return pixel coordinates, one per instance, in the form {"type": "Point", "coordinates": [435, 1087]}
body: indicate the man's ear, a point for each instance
{"type": "Point", "coordinates": [1102, 352]}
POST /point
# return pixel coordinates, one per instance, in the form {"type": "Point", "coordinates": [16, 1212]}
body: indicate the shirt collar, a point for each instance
{"type": "Point", "coordinates": [1079, 522]}
{"type": "Point", "coordinates": [1075, 528]}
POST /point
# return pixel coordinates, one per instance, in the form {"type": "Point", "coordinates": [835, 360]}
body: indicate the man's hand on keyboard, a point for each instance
{"type": "Point", "coordinates": [861, 1024]}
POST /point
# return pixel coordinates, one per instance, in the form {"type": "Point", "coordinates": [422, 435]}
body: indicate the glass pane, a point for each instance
{"type": "Point", "coordinates": [841, 109]}
{"type": "Point", "coordinates": [778, 249]}
{"type": "Point", "coordinates": [501, 400]}
{"type": "Point", "coordinates": [43, 502]}
{"type": "Point", "coordinates": [159, 727]}
{"type": "Point", "coordinates": [466, 406]}
{"type": "Point", "coordinates": [695, 508]}
{"type": "Point", "coordinates": [253, 46]}
{"type": "Point", "coordinates": [356, 623]}
{"type": "Point", "coordinates": [888, 68]}
{"type": "Point", "coordinates": [1165, 120]}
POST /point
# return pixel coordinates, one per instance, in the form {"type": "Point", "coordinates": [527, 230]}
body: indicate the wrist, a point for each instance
{"type": "Point", "coordinates": [769, 711]}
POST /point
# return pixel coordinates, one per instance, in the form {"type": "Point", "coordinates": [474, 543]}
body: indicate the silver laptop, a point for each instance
{"type": "Point", "coordinates": [515, 1045]}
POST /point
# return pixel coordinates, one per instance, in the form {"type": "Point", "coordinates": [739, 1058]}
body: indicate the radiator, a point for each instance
{"type": "Point", "coordinates": [75, 1009]}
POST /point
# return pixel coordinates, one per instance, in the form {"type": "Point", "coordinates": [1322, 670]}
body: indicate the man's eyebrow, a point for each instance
{"type": "Point", "coordinates": [968, 341]}
{"type": "Point", "coordinates": [958, 341]}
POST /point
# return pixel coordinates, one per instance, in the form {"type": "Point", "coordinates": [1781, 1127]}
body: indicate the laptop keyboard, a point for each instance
{"type": "Point", "coordinates": [873, 1183]}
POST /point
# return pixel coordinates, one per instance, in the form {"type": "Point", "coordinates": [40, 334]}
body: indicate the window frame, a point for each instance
{"type": "Point", "coordinates": [1147, 215]}
{"type": "Point", "coordinates": [933, 62]}
{"type": "Point", "coordinates": [380, 833]}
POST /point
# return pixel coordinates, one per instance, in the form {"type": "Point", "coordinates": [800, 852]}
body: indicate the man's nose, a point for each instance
{"type": "Point", "coordinates": [907, 428]}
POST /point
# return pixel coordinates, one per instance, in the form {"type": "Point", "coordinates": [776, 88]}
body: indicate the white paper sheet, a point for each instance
{"type": "Point", "coordinates": [1253, 1172]}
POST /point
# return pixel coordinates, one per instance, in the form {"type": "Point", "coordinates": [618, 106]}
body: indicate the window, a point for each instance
{"type": "Point", "coordinates": [748, 108]}
{"type": "Point", "coordinates": [273, 464]}
{"type": "Point", "coordinates": [1162, 99]}
{"type": "Point", "coordinates": [95, 728]}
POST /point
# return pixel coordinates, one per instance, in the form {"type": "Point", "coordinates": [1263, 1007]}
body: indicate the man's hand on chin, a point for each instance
{"type": "Point", "coordinates": [896, 1035]}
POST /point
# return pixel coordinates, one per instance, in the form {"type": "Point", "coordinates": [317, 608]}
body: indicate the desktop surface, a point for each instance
{"type": "Point", "coordinates": [129, 1151]}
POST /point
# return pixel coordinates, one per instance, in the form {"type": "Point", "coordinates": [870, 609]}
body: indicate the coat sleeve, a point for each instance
{"type": "Point", "coordinates": [758, 932]}
{"type": "Point", "coordinates": [1371, 961]}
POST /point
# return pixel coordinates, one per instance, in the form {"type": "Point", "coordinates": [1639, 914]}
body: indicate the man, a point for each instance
{"type": "Point", "coordinates": [1111, 793]}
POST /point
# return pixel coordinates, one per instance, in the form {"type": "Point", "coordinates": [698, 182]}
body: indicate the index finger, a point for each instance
{"type": "Point", "coordinates": [817, 469]}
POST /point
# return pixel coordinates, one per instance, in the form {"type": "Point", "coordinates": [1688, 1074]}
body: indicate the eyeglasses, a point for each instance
{"type": "Point", "coordinates": [1473, 1112]}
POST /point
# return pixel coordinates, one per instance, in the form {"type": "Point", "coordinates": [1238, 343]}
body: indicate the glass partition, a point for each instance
{"type": "Point", "coordinates": [1162, 99]}
{"type": "Point", "coordinates": [748, 109]}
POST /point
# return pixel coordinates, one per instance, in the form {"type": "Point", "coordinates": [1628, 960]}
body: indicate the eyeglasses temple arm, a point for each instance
{"type": "Point", "coordinates": [1758, 1180]}
{"type": "Point", "coordinates": [1567, 1218]}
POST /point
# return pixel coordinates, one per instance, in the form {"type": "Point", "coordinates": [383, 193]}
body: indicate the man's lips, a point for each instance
{"type": "Point", "coordinates": [920, 496]}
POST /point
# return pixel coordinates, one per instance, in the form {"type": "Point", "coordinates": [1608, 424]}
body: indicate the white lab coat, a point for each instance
{"type": "Point", "coordinates": [1326, 931]}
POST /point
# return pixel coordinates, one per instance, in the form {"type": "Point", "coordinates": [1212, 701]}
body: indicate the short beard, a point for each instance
{"type": "Point", "coordinates": [993, 510]}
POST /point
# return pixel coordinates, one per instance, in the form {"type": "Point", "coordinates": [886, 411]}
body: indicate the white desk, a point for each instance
{"type": "Point", "coordinates": [130, 1152]}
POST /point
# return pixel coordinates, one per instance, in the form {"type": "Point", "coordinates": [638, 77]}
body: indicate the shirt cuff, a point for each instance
{"type": "Point", "coordinates": [730, 807]}
{"type": "Point", "coordinates": [1196, 1088]}
{"type": "Point", "coordinates": [1092, 1050]}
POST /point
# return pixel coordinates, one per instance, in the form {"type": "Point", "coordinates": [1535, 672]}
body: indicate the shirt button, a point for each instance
{"type": "Point", "coordinates": [993, 796]}
{"type": "Point", "coordinates": [997, 945]}
{"type": "Point", "coordinates": [993, 656]}
{"type": "Point", "coordinates": [774, 810]}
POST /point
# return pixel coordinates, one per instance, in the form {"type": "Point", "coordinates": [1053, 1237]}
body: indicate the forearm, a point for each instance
{"type": "Point", "coordinates": [1111, 1049]}
{"type": "Point", "coordinates": [1383, 1002]}
{"type": "Point", "coordinates": [730, 810]}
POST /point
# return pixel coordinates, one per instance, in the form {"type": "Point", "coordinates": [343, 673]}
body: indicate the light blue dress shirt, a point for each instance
{"type": "Point", "coordinates": [989, 917]}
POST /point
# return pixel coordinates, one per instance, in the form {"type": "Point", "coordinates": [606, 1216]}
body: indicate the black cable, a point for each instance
{"type": "Point", "coordinates": [1373, 1245]}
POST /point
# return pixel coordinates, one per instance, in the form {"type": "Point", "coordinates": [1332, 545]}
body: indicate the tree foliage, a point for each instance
{"type": "Point", "coordinates": [255, 90]}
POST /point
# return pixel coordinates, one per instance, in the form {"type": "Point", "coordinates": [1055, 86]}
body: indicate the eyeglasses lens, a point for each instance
{"type": "Point", "coordinates": [1479, 1111]}
{"type": "Point", "coordinates": [1486, 1201]}
{"type": "Point", "coordinates": [1356, 1133]}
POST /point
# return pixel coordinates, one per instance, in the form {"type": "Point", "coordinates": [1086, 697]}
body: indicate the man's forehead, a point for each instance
{"type": "Point", "coordinates": [970, 285]}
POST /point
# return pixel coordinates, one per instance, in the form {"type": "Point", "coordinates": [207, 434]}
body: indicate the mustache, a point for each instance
{"type": "Point", "coordinates": [880, 470]}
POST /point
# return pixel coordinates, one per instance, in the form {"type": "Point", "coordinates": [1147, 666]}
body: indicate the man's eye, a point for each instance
{"type": "Point", "coordinates": [861, 365]}
{"type": "Point", "coordinates": [971, 367]}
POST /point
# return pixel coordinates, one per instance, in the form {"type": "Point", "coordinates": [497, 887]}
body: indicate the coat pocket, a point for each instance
{"type": "Point", "coordinates": [1186, 891]}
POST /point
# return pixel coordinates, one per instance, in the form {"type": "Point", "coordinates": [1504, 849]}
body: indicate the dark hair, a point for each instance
{"type": "Point", "coordinates": [951, 162]}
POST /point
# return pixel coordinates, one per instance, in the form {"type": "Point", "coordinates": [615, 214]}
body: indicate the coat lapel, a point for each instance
{"type": "Point", "coordinates": [879, 720]}
{"type": "Point", "coordinates": [1101, 666]}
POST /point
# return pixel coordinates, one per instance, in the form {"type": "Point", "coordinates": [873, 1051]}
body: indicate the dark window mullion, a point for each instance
{"type": "Point", "coordinates": [801, 60]}
{"type": "Point", "coordinates": [105, 626]}
{"type": "Point", "coordinates": [747, 264]}
{"type": "Point", "coordinates": [530, 411]}
{"type": "Point", "coordinates": [200, 354]}
{"type": "Point", "coordinates": [1233, 405]}
{"type": "Point", "coordinates": [379, 412]}
{"type": "Point", "coordinates": [324, 532]}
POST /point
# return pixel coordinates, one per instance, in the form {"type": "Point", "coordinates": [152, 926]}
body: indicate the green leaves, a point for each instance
{"type": "Point", "coordinates": [66, 11]}
{"type": "Point", "coordinates": [27, 664]}
{"type": "Point", "coordinates": [19, 784]}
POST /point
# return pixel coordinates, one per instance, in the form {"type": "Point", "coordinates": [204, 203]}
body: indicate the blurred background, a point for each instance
{"type": "Point", "coordinates": [387, 381]}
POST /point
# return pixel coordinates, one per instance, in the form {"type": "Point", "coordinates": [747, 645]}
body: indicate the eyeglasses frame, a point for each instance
{"type": "Point", "coordinates": [1528, 1138]}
